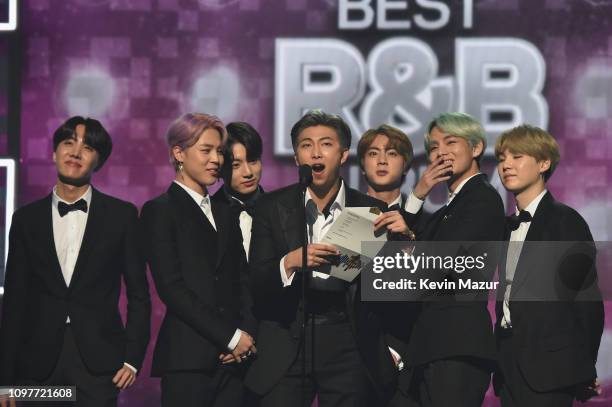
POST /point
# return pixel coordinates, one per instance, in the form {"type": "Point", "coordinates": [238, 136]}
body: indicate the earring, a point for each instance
{"type": "Point", "coordinates": [180, 166]}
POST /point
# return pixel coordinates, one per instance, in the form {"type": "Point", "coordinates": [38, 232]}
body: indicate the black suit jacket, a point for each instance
{"type": "Point", "coordinates": [447, 328]}
{"type": "Point", "coordinates": [37, 300]}
{"type": "Point", "coordinates": [278, 227]}
{"type": "Point", "coordinates": [200, 275]}
{"type": "Point", "coordinates": [555, 341]}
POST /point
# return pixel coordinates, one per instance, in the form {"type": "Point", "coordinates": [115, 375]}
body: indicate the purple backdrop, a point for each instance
{"type": "Point", "coordinates": [137, 64]}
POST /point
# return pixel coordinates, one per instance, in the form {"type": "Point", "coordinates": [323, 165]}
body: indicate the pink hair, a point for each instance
{"type": "Point", "coordinates": [186, 130]}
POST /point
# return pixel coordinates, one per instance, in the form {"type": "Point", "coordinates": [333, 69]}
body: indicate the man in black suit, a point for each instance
{"type": "Point", "coordinates": [67, 254]}
{"type": "Point", "coordinates": [195, 254]}
{"type": "Point", "coordinates": [451, 350]}
{"type": "Point", "coordinates": [241, 172]}
{"type": "Point", "coordinates": [547, 344]}
{"type": "Point", "coordinates": [347, 363]}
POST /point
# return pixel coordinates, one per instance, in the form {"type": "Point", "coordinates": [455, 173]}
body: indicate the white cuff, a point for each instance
{"type": "Point", "coordinates": [132, 368]}
{"type": "Point", "coordinates": [400, 363]}
{"type": "Point", "coordinates": [235, 339]}
{"type": "Point", "coordinates": [286, 280]}
{"type": "Point", "coordinates": [413, 204]}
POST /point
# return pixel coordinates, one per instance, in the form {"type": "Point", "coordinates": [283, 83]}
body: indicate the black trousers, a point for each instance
{"type": "Point", "coordinates": [334, 373]}
{"type": "Point", "coordinates": [514, 391]}
{"type": "Point", "coordinates": [223, 388]}
{"type": "Point", "coordinates": [457, 382]}
{"type": "Point", "coordinates": [91, 390]}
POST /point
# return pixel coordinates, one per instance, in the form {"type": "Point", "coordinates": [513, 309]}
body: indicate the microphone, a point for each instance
{"type": "Point", "coordinates": [305, 172]}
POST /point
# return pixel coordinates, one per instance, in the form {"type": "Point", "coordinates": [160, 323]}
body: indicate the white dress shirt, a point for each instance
{"type": "Point", "coordinates": [68, 232]}
{"type": "Point", "coordinates": [514, 252]}
{"type": "Point", "coordinates": [204, 203]}
{"type": "Point", "coordinates": [414, 204]}
{"type": "Point", "coordinates": [397, 201]}
{"type": "Point", "coordinates": [246, 222]}
{"type": "Point", "coordinates": [318, 225]}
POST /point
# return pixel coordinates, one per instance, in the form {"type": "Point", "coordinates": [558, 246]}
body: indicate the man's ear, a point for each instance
{"type": "Point", "coordinates": [297, 163]}
{"type": "Point", "coordinates": [544, 166]}
{"type": "Point", "coordinates": [344, 156]}
{"type": "Point", "coordinates": [477, 149]}
{"type": "Point", "coordinates": [54, 157]}
{"type": "Point", "coordinates": [177, 153]}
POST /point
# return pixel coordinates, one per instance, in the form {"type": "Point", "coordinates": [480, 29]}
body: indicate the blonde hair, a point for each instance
{"type": "Point", "coordinates": [532, 141]}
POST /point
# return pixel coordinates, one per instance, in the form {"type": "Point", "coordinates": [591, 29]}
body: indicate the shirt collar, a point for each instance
{"type": "Point", "coordinates": [453, 194]}
{"type": "Point", "coordinates": [197, 197]}
{"type": "Point", "coordinates": [397, 201]}
{"type": "Point", "coordinates": [533, 205]}
{"type": "Point", "coordinates": [338, 203]}
{"type": "Point", "coordinates": [55, 198]}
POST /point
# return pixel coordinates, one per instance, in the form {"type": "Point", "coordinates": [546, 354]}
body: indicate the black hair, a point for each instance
{"type": "Point", "coordinates": [96, 136]}
{"type": "Point", "coordinates": [240, 133]}
{"type": "Point", "coordinates": [320, 118]}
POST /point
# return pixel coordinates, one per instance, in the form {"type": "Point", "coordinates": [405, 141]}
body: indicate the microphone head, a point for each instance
{"type": "Point", "coordinates": [305, 174]}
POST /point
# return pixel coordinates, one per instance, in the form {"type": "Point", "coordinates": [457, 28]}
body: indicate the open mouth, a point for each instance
{"type": "Point", "coordinates": [318, 168]}
{"type": "Point", "coordinates": [381, 173]}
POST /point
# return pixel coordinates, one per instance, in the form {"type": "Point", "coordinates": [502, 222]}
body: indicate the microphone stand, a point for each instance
{"type": "Point", "coordinates": [304, 311]}
{"type": "Point", "coordinates": [305, 177]}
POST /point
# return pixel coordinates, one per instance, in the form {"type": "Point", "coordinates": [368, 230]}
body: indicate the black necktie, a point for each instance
{"type": "Point", "coordinates": [515, 221]}
{"type": "Point", "coordinates": [64, 208]}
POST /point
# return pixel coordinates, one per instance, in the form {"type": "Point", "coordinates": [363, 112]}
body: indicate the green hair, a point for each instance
{"type": "Point", "coordinates": [460, 125]}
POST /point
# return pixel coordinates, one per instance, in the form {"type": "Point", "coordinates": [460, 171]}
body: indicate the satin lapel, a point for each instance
{"type": "Point", "coordinates": [47, 240]}
{"type": "Point", "coordinates": [537, 229]}
{"type": "Point", "coordinates": [447, 211]}
{"type": "Point", "coordinates": [537, 232]}
{"type": "Point", "coordinates": [93, 229]}
{"type": "Point", "coordinates": [503, 256]}
{"type": "Point", "coordinates": [291, 214]}
{"type": "Point", "coordinates": [189, 210]}
{"type": "Point", "coordinates": [222, 221]}
{"type": "Point", "coordinates": [431, 229]}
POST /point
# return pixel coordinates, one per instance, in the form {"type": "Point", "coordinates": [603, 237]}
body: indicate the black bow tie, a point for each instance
{"type": "Point", "coordinates": [64, 208]}
{"type": "Point", "coordinates": [394, 207]}
{"type": "Point", "coordinates": [515, 221]}
{"type": "Point", "coordinates": [239, 207]}
{"type": "Point", "coordinates": [248, 208]}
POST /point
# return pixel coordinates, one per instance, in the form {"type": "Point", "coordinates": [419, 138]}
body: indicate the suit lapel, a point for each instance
{"type": "Point", "coordinates": [188, 210]}
{"type": "Point", "coordinates": [94, 228]}
{"type": "Point", "coordinates": [291, 214]}
{"type": "Point", "coordinates": [434, 223]}
{"type": "Point", "coordinates": [48, 240]}
{"type": "Point", "coordinates": [537, 231]}
{"type": "Point", "coordinates": [441, 215]}
{"type": "Point", "coordinates": [221, 215]}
